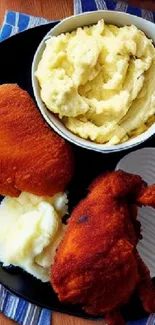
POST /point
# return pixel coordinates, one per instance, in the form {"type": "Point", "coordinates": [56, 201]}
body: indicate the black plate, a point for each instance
{"type": "Point", "coordinates": [16, 54]}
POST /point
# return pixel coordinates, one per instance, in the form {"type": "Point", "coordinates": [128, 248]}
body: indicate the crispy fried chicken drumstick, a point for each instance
{"type": "Point", "coordinates": [97, 264]}
{"type": "Point", "coordinates": [32, 157]}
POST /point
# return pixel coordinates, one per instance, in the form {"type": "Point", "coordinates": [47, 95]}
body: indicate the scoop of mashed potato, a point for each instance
{"type": "Point", "coordinates": [100, 80]}
{"type": "Point", "coordinates": [30, 230]}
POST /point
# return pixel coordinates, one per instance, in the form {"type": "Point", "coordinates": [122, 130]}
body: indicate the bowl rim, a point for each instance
{"type": "Point", "coordinates": [59, 126]}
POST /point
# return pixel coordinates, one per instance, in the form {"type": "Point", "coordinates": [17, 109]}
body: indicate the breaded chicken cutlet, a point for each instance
{"type": "Point", "coordinates": [97, 264]}
{"type": "Point", "coordinates": [32, 157]}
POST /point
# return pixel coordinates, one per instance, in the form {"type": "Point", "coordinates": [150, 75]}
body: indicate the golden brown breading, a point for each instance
{"type": "Point", "coordinates": [97, 264]}
{"type": "Point", "coordinates": [147, 196]}
{"type": "Point", "coordinates": [32, 157]}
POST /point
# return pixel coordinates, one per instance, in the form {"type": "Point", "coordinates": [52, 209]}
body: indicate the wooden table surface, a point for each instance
{"type": "Point", "coordinates": [54, 10]}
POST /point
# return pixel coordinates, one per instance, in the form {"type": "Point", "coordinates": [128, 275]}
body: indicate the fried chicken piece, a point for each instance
{"type": "Point", "coordinates": [32, 157]}
{"type": "Point", "coordinates": [97, 264]}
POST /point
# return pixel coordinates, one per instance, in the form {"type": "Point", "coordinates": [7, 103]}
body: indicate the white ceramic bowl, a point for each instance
{"type": "Point", "coordinates": [68, 24]}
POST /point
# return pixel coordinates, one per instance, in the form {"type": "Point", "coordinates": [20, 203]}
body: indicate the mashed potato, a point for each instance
{"type": "Point", "coordinates": [100, 80]}
{"type": "Point", "coordinates": [30, 231]}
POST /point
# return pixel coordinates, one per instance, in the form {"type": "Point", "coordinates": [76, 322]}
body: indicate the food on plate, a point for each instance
{"type": "Point", "coordinates": [32, 157]}
{"type": "Point", "coordinates": [97, 264]}
{"type": "Point", "coordinates": [30, 230]}
{"type": "Point", "coordinates": [100, 80]}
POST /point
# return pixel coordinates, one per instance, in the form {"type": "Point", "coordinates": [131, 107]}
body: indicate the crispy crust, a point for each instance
{"type": "Point", "coordinates": [96, 264]}
{"type": "Point", "coordinates": [32, 157]}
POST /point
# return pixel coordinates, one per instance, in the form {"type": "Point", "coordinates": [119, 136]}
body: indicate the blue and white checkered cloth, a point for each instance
{"type": "Point", "coordinates": [90, 5]}
{"type": "Point", "coordinates": [16, 22]}
{"type": "Point", "coordinates": [13, 307]}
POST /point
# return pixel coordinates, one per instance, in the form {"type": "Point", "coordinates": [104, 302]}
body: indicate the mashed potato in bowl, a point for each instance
{"type": "Point", "coordinates": [100, 80]}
